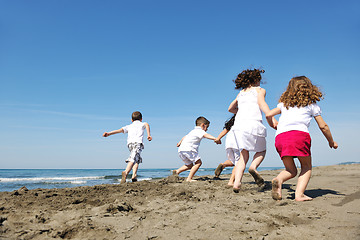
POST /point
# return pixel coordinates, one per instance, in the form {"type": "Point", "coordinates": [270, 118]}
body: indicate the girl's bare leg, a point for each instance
{"type": "Point", "coordinates": [289, 172]}
{"type": "Point", "coordinates": [232, 178]}
{"type": "Point", "coordinates": [221, 167]}
{"type": "Point", "coordinates": [194, 170]}
{"type": "Point", "coordinates": [182, 169]}
{"type": "Point", "coordinates": [239, 169]}
{"type": "Point", "coordinates": [303, 179]}
{"type": "Point", "coordinates": [257, 160]}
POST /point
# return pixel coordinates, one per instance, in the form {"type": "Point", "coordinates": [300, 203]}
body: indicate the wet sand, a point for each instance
{"type": "Point", "coordinates": [173, 209]}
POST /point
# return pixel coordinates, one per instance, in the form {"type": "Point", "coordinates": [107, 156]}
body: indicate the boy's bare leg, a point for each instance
{"type": "Point", "coordinates": [126, 172]}
{"type": "Point", "coordinates": [239, 169]}
{"type": "Point", "coordinates": [193, 170]}
{"type": "Point", "coordinates": [289, 172]}
{"type": "Point", "coordinates": [258, 158]}
{"type": "Point", "coordinates": [182, 169]}
{"type": "Point", "coordinates": [134, 173]}
{"type": "Point", "coordinates": [303, 179]}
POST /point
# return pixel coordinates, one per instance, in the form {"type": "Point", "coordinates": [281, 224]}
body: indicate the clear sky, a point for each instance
{"type": "Point", "coordinates": [71, 70]}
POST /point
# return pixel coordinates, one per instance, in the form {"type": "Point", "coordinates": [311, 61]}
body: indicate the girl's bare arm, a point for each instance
{"type": "Point", "coordinates": [326, 131]}
{"type": "Point", "coordinates": [233, 107]}
{"type": "Point", "coordinates": [265, 108]}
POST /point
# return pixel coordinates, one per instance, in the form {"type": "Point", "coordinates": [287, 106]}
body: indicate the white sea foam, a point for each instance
{"type": "Point", "coordinates": [40, 179]}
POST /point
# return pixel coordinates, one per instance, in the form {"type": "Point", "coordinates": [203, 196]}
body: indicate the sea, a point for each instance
{"type": "Point", "coordinates": [13, 179]}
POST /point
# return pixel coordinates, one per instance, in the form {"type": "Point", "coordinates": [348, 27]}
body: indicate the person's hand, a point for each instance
{"type": "Point", "coordinates": [149, 138]}
{"type": "Point", "coordinates": [217, 141]}
{"type": "Point", "coordinates": [178, 144]}
{"type": "Point", "coordinates": [105, 134]}
{"type": "Point", "coordinates": [333, 145]}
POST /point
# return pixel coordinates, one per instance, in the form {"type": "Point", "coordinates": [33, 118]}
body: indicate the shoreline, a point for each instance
{"type": "Point", "coordinates": [171, 208]}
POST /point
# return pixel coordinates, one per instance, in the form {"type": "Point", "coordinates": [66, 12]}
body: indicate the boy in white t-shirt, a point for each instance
{"type": "Point", "coordinates": [135, 144]}
{"type": "Point", "coordinates": [189, 146]}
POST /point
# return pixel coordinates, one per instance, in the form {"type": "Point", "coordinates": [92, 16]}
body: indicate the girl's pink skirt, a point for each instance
{"type": "Point", "coordinates": [293, 143]}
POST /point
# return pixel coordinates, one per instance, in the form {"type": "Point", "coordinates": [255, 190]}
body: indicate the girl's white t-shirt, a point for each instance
{"type": "Point", "coordinates": [296, 118]}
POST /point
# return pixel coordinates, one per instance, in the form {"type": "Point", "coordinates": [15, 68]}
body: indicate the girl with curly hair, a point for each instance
{"type": "Point", "coordinates": [249, 132]}
{"type": "Point", "coordinates": [297, 106]}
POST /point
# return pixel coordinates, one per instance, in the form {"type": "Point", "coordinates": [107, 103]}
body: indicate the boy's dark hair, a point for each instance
{"type": "Point", "coordinates": [229, 123]}
{"type": "Point", "coordinates": [201, 120]}
{"type": "Point", "coordinates": [136, 116]}
{"type": "Point", "coordinates": [247, 78]}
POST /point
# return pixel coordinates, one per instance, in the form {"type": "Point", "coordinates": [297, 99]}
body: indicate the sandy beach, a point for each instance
{"type": "Point", "coordinates": [173, 209]}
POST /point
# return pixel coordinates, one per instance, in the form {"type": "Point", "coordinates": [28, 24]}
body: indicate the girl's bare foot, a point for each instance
{"type": "Point", "coordinates": [123, 177]}
{"type": "Point", "coordinates": [218, 170]}
{"type": "Point", "coordinates": [258, 179]}
{"type": "Point", "coordinates": [191, 180]}
{"type": "Point", "coordinates": [236, 189]}
{"type": "Point", "coordinates": [276, 189]}
{"type": "Point", "coordinates": [174, 172]}
{"type": "Point", "coordinates": [303, 198]}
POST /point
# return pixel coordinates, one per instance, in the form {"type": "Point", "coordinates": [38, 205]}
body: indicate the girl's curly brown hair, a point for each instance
{"type": "Point", "coordinates": [247, 78]}
{"type": "Point", "coordinates": [300, 93]}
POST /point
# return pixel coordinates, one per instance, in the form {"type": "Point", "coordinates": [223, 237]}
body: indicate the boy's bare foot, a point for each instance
{"type": "Point", "coordinates": [123, 177]}
{"type": "Point", "coordinates": [276, 190]}
{"type": "Point", "coordinates": [258, 179]}
{"type": "Point", "coordinates": [303, 198]}
{"type": "Point", "coordinates": [218, 170]}
{"type": "Point", "coordinates": [174, 172]}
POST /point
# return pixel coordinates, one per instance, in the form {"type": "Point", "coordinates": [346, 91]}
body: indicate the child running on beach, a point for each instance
{"type": "Point", "coordinates": [248, 129]}
{"type": "Point", "coordinates": [189, 146]}
{"type": "Point", "coordinates": [297, 106]}
{"type": "Point", "coordinates": [232, 151]}
{"type": "Point", "coordinates": [134, 142]}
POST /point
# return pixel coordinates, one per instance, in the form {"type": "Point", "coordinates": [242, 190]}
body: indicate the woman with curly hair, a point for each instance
{"type": "Point", "coordinates": [297, 106]}
{"type": "Point", "coordinates": [248, 130]}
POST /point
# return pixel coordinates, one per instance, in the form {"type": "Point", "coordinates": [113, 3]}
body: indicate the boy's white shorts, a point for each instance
{"type": "Point", "coordinates": [233, 155]}
{"type": "Point", "coordinates": [189, 157]}
{"type": "Point", "coordinates": [135, 151]}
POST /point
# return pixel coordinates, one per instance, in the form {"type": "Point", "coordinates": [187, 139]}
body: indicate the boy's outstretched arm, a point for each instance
{"type": "Point", "coordinates": [106, 134]}
{"type": "Point", "coordinates": [147, 126]}
{"type": "Point", "coordinates": [326, 131]}
{"type": "Point", "coordinates": [208, 136]}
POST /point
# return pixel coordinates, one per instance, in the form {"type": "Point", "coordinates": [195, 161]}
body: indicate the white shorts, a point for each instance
{"type": "Point", "coordinates": [250, 142]}
{"type": "Point", "coordinates": [189, 157]}
{"type": "Point", "coordinates": [233, 155]}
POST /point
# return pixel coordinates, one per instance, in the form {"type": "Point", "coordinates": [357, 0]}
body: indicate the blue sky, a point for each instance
{"type": "Point", "coordinates": [70, 70]}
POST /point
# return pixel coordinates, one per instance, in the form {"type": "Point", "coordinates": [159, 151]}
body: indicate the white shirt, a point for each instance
{"type": "Point", "coordinates": [191, 141]}
{"type": "Point", "coordinates": [296, 118]}
{"type": "Point", "coordinates": [135, 132]}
